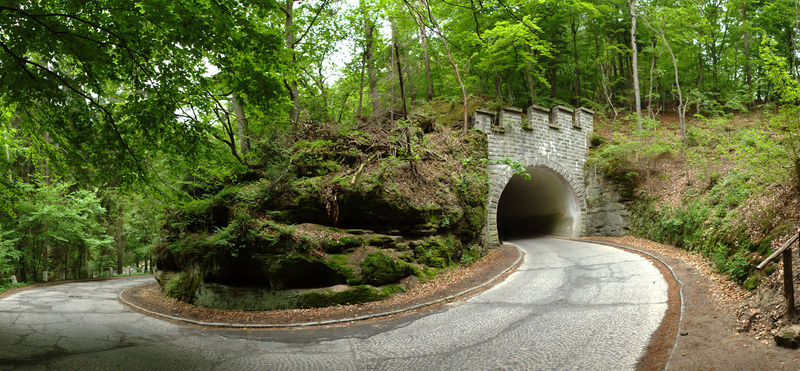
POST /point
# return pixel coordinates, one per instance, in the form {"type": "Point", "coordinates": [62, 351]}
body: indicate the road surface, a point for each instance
{"type": "Point", "coordinates": [570, 305]}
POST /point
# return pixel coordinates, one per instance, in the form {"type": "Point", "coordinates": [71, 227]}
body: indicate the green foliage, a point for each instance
{"type": "Point", "coordinates": [115, 82]}
{"type": "Point", "coordinates": [470, 254]}
{"type": "Point", "coordinates": [516, 167]}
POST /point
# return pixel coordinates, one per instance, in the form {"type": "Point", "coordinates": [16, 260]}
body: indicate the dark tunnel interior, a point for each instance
{"type": "Point", "coordinates": [543, 205]}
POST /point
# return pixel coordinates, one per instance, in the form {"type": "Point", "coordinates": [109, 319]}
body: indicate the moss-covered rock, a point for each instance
{"type": "Point", "coordinates": [379, 269]}
{"type": "Point", "coordinates": [181, 285]}
{"type": "Point", "coordinates": [337, 205]}
{"type": "Point", "coordinates": [438, 252]}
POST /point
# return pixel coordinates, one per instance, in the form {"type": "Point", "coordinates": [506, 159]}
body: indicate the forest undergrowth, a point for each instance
{"type": "Point", "coordinates": [731, 194]}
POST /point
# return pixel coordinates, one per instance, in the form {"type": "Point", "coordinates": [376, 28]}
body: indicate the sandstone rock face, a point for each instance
{"type": "Point", "coordinates": [606, 214]}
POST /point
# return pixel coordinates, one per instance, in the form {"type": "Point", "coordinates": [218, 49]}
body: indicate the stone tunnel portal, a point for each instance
{"type": "Point", "coordinates": [544, 205]}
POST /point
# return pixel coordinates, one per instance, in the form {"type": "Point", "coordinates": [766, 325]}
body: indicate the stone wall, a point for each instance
{"type": "Point", "coordinates": [555, 139]}
{"type": "Point", "coordinates": [606, 211]}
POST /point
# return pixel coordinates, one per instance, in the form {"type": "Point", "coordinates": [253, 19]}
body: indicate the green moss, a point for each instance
{"type": "Point", "coordinates": [342, 244]}
{"type": "Point", "coordinates": [389, 290]}
{"type": "Point", "coordinates": [438, 252]}
{"type": "Point", "coordinates": [378, 269]}
{"type": "Point", "coordinates": [355, 295]}
{"type": "Point", "coordinates": [183, 285]}
{"type": "Point", "coordinates": [224, 297]}
{"type": "Point", "coordinates": [752, 282]}
{"type": "Point", "coordinates": [315, 300]}
{"type": "Point", "coordinates": [358, 294]}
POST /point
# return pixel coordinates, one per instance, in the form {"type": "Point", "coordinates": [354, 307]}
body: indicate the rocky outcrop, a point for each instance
{"type": "Point", "coordinates": [606, 199]}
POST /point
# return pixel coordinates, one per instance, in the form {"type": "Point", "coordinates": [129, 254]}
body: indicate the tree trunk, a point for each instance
{"type": "Point", "coordinates": [369, 30]}
{"type": "Point", "coordinates": [361, 90]}
{"type": "Point", "coordinates": [531, 85]}
{"type": "Point", "coordinates": [498, 85]}
{"type": "Point", "coordinates": [681, 103]}
{"type": "Point", "coordinates": [120, 240]}
{"type": "Point", "coordinates": [244, 139]}
{"type": "Point", "coordinates": [652, 69]}
{"type": "Point", "coordinates": [427, 60]}
{"type": "Point", "coordinates": [794, 43]}
{"type": "Point", "coordinates": [577, 92]}
{"type": "Point", "coordinates": [399, 69]}
{"type": "Point", "coordinates": [452, 63]}
{"type": "Point", "coordinates": [747, 75]}
{"type": "Point", "coordinates": [635, 66]}
{"type": "Point", "coordinates": [294, 114]}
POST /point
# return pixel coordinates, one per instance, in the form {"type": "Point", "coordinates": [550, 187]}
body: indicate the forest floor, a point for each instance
{"type": "Point", "coordinates": [710, 335]}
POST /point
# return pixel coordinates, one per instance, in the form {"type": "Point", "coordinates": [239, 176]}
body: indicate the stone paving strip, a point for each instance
{"type": "Point", "coordinates": [570, 305]}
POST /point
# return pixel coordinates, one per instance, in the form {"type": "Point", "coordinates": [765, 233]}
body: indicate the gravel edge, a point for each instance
{"type": "Point", "coordinates": [516, 263]}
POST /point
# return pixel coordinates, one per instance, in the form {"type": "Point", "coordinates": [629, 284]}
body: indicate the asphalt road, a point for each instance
{"type": "Point", "coordinates": [570, 305]}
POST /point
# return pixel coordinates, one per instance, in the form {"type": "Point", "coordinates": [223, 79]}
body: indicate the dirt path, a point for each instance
{"type": "Point", "coordinates": [708, 338]}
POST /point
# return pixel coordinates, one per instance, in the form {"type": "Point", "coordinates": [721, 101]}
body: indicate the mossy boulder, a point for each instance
{"type": "Point", "coordinates": [379, 269]}
{"type": "Point", "coordinates": [788, 337]}
{"type": "Point", "coordinates": [180, 285]}
{"type": "Point", "coordinates": [438, 252]}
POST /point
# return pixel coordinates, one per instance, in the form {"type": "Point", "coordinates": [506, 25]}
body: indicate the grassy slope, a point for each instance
{"type": "Point", "coordinates": [729, 196]}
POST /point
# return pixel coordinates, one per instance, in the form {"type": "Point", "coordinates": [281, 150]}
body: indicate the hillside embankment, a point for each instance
{"type": "Point", "coordinates": [728, 194]}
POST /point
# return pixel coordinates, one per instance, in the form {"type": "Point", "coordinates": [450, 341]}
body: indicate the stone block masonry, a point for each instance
{"type": "Point", "coordinates": [554, 139]}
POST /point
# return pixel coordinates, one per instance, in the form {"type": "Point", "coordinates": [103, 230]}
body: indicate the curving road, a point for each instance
{"type": "Point", "coordinates": [570, 305]}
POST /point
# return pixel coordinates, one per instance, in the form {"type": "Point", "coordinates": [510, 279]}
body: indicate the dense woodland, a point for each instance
{"type": "Point", "coordinates": [112, 111]}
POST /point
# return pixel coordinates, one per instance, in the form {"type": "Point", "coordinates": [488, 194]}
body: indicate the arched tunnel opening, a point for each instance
{"type": "Point", "coordinates": [545, 204]}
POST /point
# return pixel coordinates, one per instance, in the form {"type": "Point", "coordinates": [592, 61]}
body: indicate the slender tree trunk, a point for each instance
{"type": "Point", "coordinates": [498, 85]}
{"type": "Point", "coordinates": [244, 139]}
{"type": "Point", "coordinates": [427, 60]}
{"type": "Point", "coordinates": [399, 69]}
{"type": "Point", "coordinates": [700, 77]}
{"type": "Point", "coordinates": [120, 241]}
{"type": "Point", "coordinates": [8, 158]}
{"type": "Point", "coordinates": [652, 69]}
{"type": "Point", "coordinates": [361, 89]}
{"type": "Point", "coordinates": [794, 42]}
{"type": "Point", "coordinates": [635, 66]}
{"type": "Point", "coordinates": [369, 31]}
{"type": "Point", "coordinates": [452, 63]}
{"type": "Point", "coordinates": [531, 85]}
{"type": "Point", "coordinates": [747, 75]}
{"type": "Point", "coordinates": [681, 103]}
{"type": "Point", "coordinates": [577, 92]}
{"type": "Point", "coordinates": [294, 114]}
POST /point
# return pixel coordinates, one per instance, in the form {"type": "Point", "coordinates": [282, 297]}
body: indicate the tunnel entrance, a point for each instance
{"type": "Point", "coordinates": [544, 205]}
